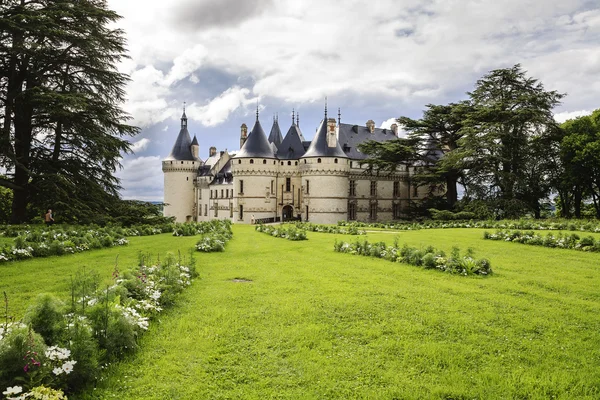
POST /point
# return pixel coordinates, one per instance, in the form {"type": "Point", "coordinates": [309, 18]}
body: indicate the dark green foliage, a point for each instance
{"type": "Point", "coordinates": [46, 317]}
{"type": "Point", "coordinates": [63, 130]}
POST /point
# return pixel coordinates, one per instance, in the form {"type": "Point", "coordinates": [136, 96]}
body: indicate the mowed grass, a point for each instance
{"type": "Point", "coordinates": [24, 280]}
{"type": "Point", "coordinates": [271, 318]}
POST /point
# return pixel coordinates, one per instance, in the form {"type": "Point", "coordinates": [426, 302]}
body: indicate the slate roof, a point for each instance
{"type": "Point", "coordinates": [224, 176]}
{"type": "Point", "coordinates": [291, 148]}
{"type": "Point", "coordinates": [275, 135]}
{"type": "Point", "coordinates": [195, 141]}
{"type": "Point", "coordinates": [350, 136]}
{"type": "Point", "coordinates": [182, 149]}
{"type": "Point", "coordinates": [256, 145]}
{"type": "Point", "coordinates": [318, 146]}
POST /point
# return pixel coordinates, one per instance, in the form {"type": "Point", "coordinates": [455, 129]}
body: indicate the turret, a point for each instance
{"type": "Point", "coordinates": [325, 165]}
{"type": "Point", "coordinates": [195, 148]}
{"type": "Point", "coordinates": [180, 168]}
{"type": "Point", "coordinates": [371, 125]}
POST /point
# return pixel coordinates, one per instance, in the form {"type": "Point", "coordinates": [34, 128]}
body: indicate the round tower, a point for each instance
{"type": "Point", "coordinates": [325, 169]}
{"type": "Point", "coordinates": [254, 171]}
{"type": "Point", "coordinates": [180, 169]}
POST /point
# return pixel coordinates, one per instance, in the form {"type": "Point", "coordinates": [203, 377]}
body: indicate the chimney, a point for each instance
{"type": "Point", "coordinates": [243, 135]}
{"type": "Point", "coordinates": [394, 128]}
{"type": "Point", "coordinates": [331, 134]}
{"type": "Point", "coordinates": [212, 151]}
{"type": "Point", "coordinates": [371, 125]}
{"type": "Point", "coordinates": [195, 150]}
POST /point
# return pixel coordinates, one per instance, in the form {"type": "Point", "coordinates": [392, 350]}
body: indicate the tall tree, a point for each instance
{"type": "Point", "coordinates": [63, 128]}
{"type": "Point", "coordinates": [440, 129]}
{"type": "Point", "coordinates": [510, 109]}
{"type": "Point", "coordinates": [579, 174]}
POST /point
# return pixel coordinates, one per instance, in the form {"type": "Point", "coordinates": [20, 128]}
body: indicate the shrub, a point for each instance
{"type": "Point", "coordinates": [46, 317]}
{"type": "Point", "coordinates": [21, 357]}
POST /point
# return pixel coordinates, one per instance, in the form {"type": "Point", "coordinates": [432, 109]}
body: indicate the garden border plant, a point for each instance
{"type": "Point", "coordinates": [289, 232]}
{"type": "Point", "coordinates": [561, 240]}
{"type": "Point", "coordinates": [428, 257]}
{"type": "Point", "coordinates": [570, 225]}
{"type": "Point", "coordinates": [309, 226]}
{"type": "Point", "coordinates": [61, 347]}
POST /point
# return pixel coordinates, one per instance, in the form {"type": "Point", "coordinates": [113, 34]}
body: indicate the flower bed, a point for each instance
{"type": "Point", "coordinates": [216, 237]}
{"type": "Point", "coordinates": [428, 257]}
{"type": "Point", "coordinates": [41, 241]}
{"type": "Point", "coordinates": [289, 232]}
{"type": "Point", "coordinates": [61, 348]}
{"type": "Point", "coordinates": [561, 240]}
{"type": "Point", "coordinates": [343, 230]}
{"type": "Point", "coordinates": [582, 226]}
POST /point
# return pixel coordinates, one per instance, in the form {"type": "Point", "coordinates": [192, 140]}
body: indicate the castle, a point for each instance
{"type": "Point", "coordinates": [286, 177]}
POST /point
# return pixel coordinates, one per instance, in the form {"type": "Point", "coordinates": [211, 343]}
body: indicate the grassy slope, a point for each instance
{"type": "Point", "coordinates": [317, 324]}
{"type": "Point", "coordinates": [24, 280]}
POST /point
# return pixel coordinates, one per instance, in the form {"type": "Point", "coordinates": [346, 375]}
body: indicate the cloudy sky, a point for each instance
{"type": "Point", "coordinates": [374, 59]}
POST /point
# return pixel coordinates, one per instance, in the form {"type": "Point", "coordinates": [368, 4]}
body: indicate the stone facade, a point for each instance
{"type": "Point", "coordinates": [326, 184]}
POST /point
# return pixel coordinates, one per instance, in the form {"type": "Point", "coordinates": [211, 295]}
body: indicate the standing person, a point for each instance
{"type": "Point", "coordinates": [49, 219]}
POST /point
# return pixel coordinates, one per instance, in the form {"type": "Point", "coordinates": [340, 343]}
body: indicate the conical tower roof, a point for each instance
{"type": "Point", "coordinates": [182, 148]}
{"type": "Point", "coordinates": [256, 145]}
{"type": "Point", "coordinates": [275, 135]}
{"type": "Point", "coordinates": [320, 148]}
{"type": "Point", "coordinates": [291, 147]}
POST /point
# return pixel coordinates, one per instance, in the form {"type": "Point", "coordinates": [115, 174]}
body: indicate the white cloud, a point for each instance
{"type": "Point", "coordinates": [142, 178]}
{"type": "Point", "coordinates": [563, 116]}
{"type": "Point", "coordinates": [219, 108]}
{"type": "Point", "coordinates": [140, 145]}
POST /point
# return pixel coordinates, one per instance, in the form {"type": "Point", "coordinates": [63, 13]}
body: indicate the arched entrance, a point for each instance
{"type": "Point", "coordinates": [287, 213]}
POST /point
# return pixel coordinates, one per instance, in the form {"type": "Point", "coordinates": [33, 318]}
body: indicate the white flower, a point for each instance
{"type": "Point", "coordinates": [68, 366]}
{"type": "Point", "coordinates": [12, 390]}
{"type": "Point", "coordinates": [57, 371]}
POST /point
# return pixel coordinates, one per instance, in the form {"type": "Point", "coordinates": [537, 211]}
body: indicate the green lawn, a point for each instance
{"type": "Point", "coordinates": [24, 280]}
{"type": "Point", "coordinates": [315, 324]}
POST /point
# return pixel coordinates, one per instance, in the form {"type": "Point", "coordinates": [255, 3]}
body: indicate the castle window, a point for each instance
{"type": "Point", "coordinates": [210, 197]}
{"type": "Point", "coordinates": [307, 186]}
{"type": "Point", "coordinates": [373, 211]}
{"type": "Point", "coordinates": [305, 161]}
{"type": "Point", "coordinates": [241, 213]}
{"type": "Point", "coordinates": [282, 163]}
{"type": "Point", "coordinates": [352, 188]}
{"type": "Point", "coordinates": [251, 161]}
{"type": "Point", "coordinates": [319, 160]}
{"type": "Point", "coordinates": [239, 161]}
{"type": "Point", "coordinates": [351, 211]}
{"type": "Point", "coordinates": [396, 189]}
{"type": "Point", "coordinates": [296, 163]}
{"type": "Point", "coordinates": [241, 187]}
{"type": "Point", "coordinates": [206, 210]}
{"type": "Point", "coordinates": [182, 162]}
{"type": "Point", "coordinates": [171, 162]}
{"type": "Point", "coordinates": [288, 184]}
{"type": "Point", "coordinates": [273, 162]}
{"type": "Point", "coordinates": [221, 193]}
{"type": "Point", "coordinates": [187, 178]}
{"type": "Point", "coordinates": [335, 161]}
{"type": "Point", "coordinates": [289, 163]}
{"type": "Point", "coordinates": [396, 211]}
{"type": "Point", "coordinates": [272, 183]}
{"type": "Point", "coordinates": [373, 188]}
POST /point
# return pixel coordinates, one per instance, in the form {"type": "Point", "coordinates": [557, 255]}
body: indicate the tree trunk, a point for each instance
{"type": "Point", "coordinates": [451, 191]}
{"type": "Point", "coordinates": [23, 137]}
{"type": "Point", "coordinates": [577, 198]}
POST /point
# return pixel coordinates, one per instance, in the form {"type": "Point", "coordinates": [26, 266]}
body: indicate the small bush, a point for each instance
{"type": "Point", "coordinates": [46, 318]}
